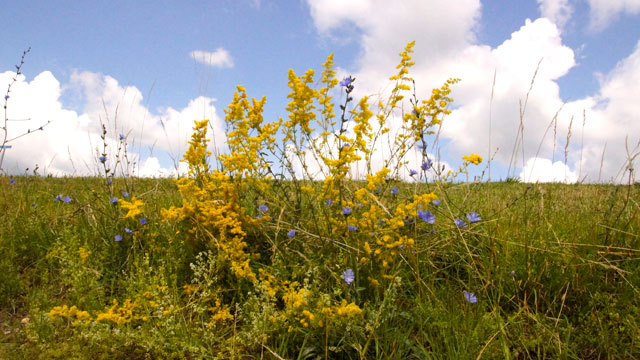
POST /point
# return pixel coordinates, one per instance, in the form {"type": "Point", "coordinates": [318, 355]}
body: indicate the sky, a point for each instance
{"type": "Point", "coordinates": [147, 69]}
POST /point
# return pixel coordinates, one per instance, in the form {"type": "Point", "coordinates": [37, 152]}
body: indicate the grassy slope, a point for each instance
{"type": "Point", "coordinates": [554, 268]}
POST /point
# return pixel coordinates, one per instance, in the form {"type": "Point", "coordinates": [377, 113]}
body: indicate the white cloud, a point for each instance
{"type": "Point", "coordinates": [219, 58]}
{"type": "Point", "coordinates": [385, 28]}
{"type": "Point", "coordinates": [543, 170]}
{"type": "Point", "coordinates": [71, 143]}
{"type": "Point", "coordinates": [558, 11]}
{"type": "Point", "coordinates": [603, 12]}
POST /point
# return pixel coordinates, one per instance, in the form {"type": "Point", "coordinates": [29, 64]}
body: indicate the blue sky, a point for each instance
{"type": "Point", "coordinates": [138, 56]}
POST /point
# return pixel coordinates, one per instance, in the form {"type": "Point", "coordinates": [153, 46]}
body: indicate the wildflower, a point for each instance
{"type": "Point", "coordinates": [427, 165]}
{"type": "Point", "coordinates": [413, 172]}
{"type": "Point", "coordinates": [125, 194]}
{"type": "Point", "coordinates": [291, 233]}
{"type": "Point", "coordinates": [346, 211]}
{"type": "Point", "coordinates": [348, 276]}
{"type": "Point", "coordinates": [328, 202]}
{"type": "Point", "coordinates": [460, 223]}
{"type": "Point", "coordinates": [58, 197]}
{"type": "Point", "coordinates": [473, 158]}
{"type": "Point", "coordinates": [113, 200]}
{"type": "Point", "coordinates": [109, 181]}
{"type": "Point", "coordinates": [436, 202]}
{"type": "Point", "coordinates": [346, 81]}
{"type": "Point", "coordinates": [473, 217]}
{"type": "Point", "coordinates": [470, 297]}
{"type": "Point", "coordinates": [143, 221]}
{"type": "Point", "coordinates": [427, 216]}
{"type": "Point", "coordinates": [33, 204]}
{"type": "Point", "coordinates": [118, 237]}
{"type": "Point", "coordinates": [12, 181]}
{"type": "Point", "coordinates": [346, 145]}
{"type": "Point", "coordinates": [6, 97]}
{"type": "Point", "coordinates": [408, 220]}
{"type": "Point", "coordinates": [263, 208]}
{"type": "Point", "coordinates": [394, 191]}
{"type": "Point", "coordinates": [352, 228]}
{"type": "Point", "coordinates": [66, 199]}
{"type": "Point", "coordinates": [102, 158]}
{"type": "Point", "coordinates": [122, 137]}
{"type": "Point", "coordinates": [128, 231]}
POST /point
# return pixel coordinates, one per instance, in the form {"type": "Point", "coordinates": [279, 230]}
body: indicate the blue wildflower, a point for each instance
{"type": "Point", "coordinates": [102, 159]}
{"type": "Point", "coordinates": [125, 194]}
{"type": "Point", "coordinates": [427, 216]}
{"type": "Point", "coordinates": [460, 223]}
{"type": "Point", "coordinates": [113, 200]}
{"type": "Point", "coordinates": [12, 181]}
{"type": "Point", "coordinates": [143, 221]}
{"type": "Point", "coordinates": [67, 199]}
{"type": "Point", "coordinates": [263, 208]}
{"type": "Point", "coordinates": [470, 297]}
{"type": "Point", "coordinates": [346, 145]}
{"type": "Point", "coordinates": [33, 204]}
{"type": "Point", "coordinates": [408, 220]}
{"type": "Point", "coordinates": [291, 233]}
{"type": "Point", "coordinates": [352, 228]}
{"type": "Point", "coordinates": [118, 237]}
{"type": "Point", "coordinates": [346, 81]}
{"type": "Point", "coordinates": [473, 217]}
{"type": "Point", "coordinates": [122, 136]}
{"type": "Point", "coordinates": [348, 276]}
{"type": "Point", "coordinates": [58, 197]}
{"type": "Point", "coordinates": [109, 181]}
{"type": "Point", "coordinates": [128, 231]}
{"type": "Point", "coordinates": [427, 165]}
{"type": "Point", "coordinates": [413, 172]}
{"type": "Point", "coordinates": [346, 210]}
{"type": "Point", "coordinates": [328, 202]}
{"type": "Point", "coordinates": [394, 191]}
{"type": "Point", "coordinates": [436, 202]}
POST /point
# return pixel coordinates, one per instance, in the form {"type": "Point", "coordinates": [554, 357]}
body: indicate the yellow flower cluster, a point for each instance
{"type": "Point", "coordinates": [473, 158]}
{"type": "Point", "coordinates": [70, 313]}
{"type": "Point", "coordinates": [134, 207]}
{"type": "Point", "coordinates": [120, 315]}
{"type": "Point", "coordinates": [83, 253]}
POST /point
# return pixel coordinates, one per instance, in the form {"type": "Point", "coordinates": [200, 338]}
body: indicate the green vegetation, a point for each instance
{"type": "Point", "coordinates": [251, 256]}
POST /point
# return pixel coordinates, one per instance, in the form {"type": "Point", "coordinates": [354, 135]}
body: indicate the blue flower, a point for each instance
{"type": "Point", "coordinates": [102, 159]}
{"type": "Point", "coordinates": [113, 200]}
{"type": "Point", "coordinates": [460, 223]}
{"type": "Point", "coordinates": [436, 202]}
{"type": "Point", "coordinates": [6, 97]}
{"type": "Point", "coordinates": [33, 204]}
{"type": "Point", "coordinates": [263, 208]}
{"type": "Point", "coordinates": [125, 194]}
{"type": "Point", "coordinates": [58, 197]}
{"type": "Point", "coordinates": [470, 297]}
{"type": "Point", "coordinates": [122, 136]}
{"type": "Point", "coordinates": [291, 233]}
{"type": "Point", "coordinates": [109, 181]}
{"type": "Point", "coordinates": [413, 172]}
{"type": "Point", "coordinates": [473, 217]}
{"type": "Point", "coordinates": [408, 220]}
{"type": "Point", "coordinates": [128, 231]}
{"type": "Point", "coordinates": [143, 221]}
{"type": "Point", "coordinates": [12, 181]}
{"type": "Point", "coordinates": [346, 145]}
{"type": "Point", "coordinates": [67, 199]}
{"type": "Point", "coordinates": [346, 81]}
{"type": "Point", "coordinates": [352, 228]}
{"type": "Point", "coordinates": [118, 237]}
{"type": "Point", "coordinates": [348, 276]}
{"type": "Point", "coordinates": [346, 210]}
{"type": "Point", "coordinates": [394, 191]}
{"type": "Point", "coordinates": [427, 165]}
{"type": "Point", "coordinates": [328, 202]}
{"type": "Point", "coordinates": [427, 216]}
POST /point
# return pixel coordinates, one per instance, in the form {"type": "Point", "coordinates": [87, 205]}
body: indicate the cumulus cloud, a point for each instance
{"type": "Point", "coordinates": [603, 12]}
{"type": "Point", "coordinates": [219, 58]}
{"type": "Point", "coordinates": [549, 124]}
{"type": "Point", "coordinates": [543, 170]}
{"type": "Point", "coordinates": [71, 143]}
{"type": "Point", "coordinates": [558, 11]}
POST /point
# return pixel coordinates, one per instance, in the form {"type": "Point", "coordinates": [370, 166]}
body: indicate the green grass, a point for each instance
{"type": "Point", "coordinates": [554, 268]}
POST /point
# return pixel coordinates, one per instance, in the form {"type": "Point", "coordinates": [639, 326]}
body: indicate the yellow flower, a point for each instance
{"type": "Point", "coordinates": [473, 158]}
{"type": "Point", "coordinates": [134, 208]}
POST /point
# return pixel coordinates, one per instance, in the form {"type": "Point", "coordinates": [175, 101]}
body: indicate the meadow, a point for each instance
{"type": "Point", "coordinates": [253, 256]}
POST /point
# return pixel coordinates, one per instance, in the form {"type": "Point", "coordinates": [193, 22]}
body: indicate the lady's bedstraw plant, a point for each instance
{"type": "Point", "coordinates": [313, 233]}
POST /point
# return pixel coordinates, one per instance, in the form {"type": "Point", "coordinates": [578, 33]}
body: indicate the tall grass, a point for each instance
{"type": "Point", "coordinates": [247, 258]}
